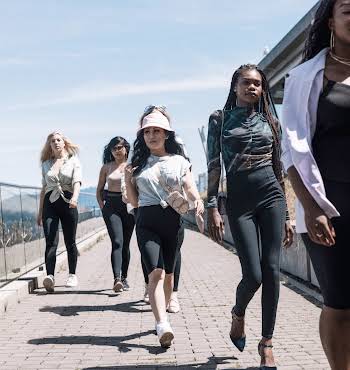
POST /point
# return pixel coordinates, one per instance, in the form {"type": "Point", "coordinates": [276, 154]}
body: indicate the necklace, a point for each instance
{"type": "Point", "coordinates": [339, 59]}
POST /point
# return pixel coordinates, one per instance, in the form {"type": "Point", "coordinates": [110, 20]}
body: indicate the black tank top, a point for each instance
{"type": "Point", "coordinates": [331, 142]}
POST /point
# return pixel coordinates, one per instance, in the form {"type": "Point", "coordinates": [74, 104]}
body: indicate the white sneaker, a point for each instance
{"type": "Point", "coordinates": [49, 283]}
{"type": "Point", "coordinates": [72, 281]}
{"type": "Point", "coordinates": [174, 305]}
{"type": "Point", "coordinates": [146, 295]}
{"type": "Point", "coordinates": [165, 334]}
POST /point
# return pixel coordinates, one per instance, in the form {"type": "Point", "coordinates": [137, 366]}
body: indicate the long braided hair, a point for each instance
{"type": "Point", "coordinates": [319, 33]}
{"type": "Point", "coordinates": [266, 107]}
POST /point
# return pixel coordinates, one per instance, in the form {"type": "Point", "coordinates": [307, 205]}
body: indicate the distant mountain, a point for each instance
{"type": "Point", "coordinates": [13, 204]}
{"type": "Point", "coordinates": [90, 189]}
{"type": "Point", "coordinates": [30, 203]}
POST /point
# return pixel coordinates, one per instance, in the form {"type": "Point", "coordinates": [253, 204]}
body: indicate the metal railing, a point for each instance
{"type": "Point", "coordinates": [22, 243]}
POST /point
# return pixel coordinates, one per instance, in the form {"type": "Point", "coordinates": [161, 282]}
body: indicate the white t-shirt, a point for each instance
{"type": "Point", "coordinates": [172, 169]}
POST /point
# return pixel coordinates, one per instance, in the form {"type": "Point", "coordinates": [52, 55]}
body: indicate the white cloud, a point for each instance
{"type": "Point", "coordinates": [100, 92]}
{"type": "Point", "coordinates": [12, 61]}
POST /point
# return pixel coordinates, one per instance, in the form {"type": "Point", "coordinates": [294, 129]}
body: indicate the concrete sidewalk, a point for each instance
{"type": "Point", "coordinates": [94, 328]}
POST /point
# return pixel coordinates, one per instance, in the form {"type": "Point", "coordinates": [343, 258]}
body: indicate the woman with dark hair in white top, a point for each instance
{"type": "Point", "coordinates": [61, 180]}
{"type": "Point", "coordinates": [158, 169]}
{"type": "Point", "coordinates": [120, 224]}
{"type": "Point", "coordinates": [316, 118]}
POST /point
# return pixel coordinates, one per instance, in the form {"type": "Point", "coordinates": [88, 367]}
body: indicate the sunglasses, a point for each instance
{"type": "Point", "coordinates": [117, 148]}
{"type": "Point", "coordinates": [150, 108]}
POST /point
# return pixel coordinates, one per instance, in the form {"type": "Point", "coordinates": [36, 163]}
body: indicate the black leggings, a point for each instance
{"type": "Point", "coordinates": [181, 236]}
{"type": "Point", "coordinates": [120, 225]}
{"type": "Point", "coordinates": [331, 264]}
{"type": "Point", "coordinates": [256, 210]}
{"type": "Point", "coordinates": [157, 231]}
{"type": "Point", "coordinates": [52, 214]}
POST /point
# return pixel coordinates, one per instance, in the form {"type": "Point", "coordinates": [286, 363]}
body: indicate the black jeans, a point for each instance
{"type": "Point", "coordinates": [256, 210]}
{"type": "Point", "coordinates": [181, 236]}
{"type": "Point", "coordinates": [157, 232]}
{"type": "Point", "coordinates": [120, 225]}
{"type": "Point", "coordinates": [52, 214]}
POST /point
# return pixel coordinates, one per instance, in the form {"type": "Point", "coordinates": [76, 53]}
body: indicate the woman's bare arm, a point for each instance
{"type": "Point", "coordinates": [100, 186]}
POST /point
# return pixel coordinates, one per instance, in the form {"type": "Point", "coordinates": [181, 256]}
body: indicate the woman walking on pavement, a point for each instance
{"type": "Point", "coordinates": [120, 223]}
{"type": "Point", "coordinates": [316, 116]}
{"type": "Point", "coordinates": [173, 305]}
{"type": "Point", "coordinates": [61, 182]}
{"type": "Point", "coordinates": [247, 134]}
{"type": "Point", "coordinates": [157, 176]}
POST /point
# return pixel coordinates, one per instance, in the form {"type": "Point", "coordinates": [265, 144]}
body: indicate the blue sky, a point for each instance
{"type": "Point", "coordinates": [88, 68]}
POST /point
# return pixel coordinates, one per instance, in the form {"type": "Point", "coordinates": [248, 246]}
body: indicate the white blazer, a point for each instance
{"type": "Point", "coordinates": [302, 91]}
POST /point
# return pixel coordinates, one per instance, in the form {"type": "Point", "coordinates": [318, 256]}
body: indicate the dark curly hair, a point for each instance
{"type": "Point", "coordinates": [319, 33]}
{"type": "Point", "coordinates": [107, 152]}
{"type": "Point", "coordinates": [142, 152]}
{"type": "Point", "coordinates": [265, 107]}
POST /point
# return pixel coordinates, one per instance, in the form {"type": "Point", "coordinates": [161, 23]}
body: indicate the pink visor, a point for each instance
{"type": "Point", "coordinates": [156, 119]}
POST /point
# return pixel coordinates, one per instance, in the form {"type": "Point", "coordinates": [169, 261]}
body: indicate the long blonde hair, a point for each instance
{"type": "Point", "coordinates": [47, 153]}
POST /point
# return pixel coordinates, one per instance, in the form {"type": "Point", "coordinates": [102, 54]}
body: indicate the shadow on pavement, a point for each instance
{"type": "Point", "coordinates": [116, 341]}
{"type": "Point", "coordinates": [210, 364]}
{"type": "Point", "coordinates": [129, 307]}
{"type": "Point", "coordinates": [305, 295]}
{"type": "Point", "coordinates": [42, 291]}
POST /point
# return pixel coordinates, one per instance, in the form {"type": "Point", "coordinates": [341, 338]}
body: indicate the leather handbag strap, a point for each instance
{"type": "Point", "coordinates": [160, 179]}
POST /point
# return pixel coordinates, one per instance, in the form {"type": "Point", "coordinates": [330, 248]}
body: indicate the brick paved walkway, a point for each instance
{"type": "Point", "coordinates": [93, 328]}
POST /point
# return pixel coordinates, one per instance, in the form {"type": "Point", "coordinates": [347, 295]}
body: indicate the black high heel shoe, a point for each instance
{"type": "Point", "coordinates": [262, 345]}
{"type": "Point", "coordinates": [241, 341]}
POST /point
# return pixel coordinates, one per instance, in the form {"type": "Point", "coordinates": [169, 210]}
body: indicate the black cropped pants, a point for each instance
{"type": "Point", "coordinates": [177, 269]}
{"type": "Point", "coordinates": [256, 209]}
{"type": "Point", "coordinates": [157, 231]}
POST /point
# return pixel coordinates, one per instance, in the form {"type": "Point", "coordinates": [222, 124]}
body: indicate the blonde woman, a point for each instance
{"type": "Point", "coordinates": [61, 182]}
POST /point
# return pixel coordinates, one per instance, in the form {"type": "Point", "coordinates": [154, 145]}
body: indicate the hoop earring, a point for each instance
{"type": "Point", "coordinates": [332, 42]}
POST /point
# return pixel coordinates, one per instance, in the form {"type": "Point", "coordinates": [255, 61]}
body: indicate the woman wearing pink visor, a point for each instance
{"type": "Point", "coordinates": [159, 175]}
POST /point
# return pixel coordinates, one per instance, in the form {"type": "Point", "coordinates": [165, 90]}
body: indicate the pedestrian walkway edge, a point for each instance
{"type": "Point", "coordinates": [14, 292]}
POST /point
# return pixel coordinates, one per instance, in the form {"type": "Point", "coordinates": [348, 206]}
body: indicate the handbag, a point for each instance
{"type": "Point", "coordinates": [174, 199]}
{"type": "Point", "coordinates": [222, 196]}
{"type": "Point", "coordinates": [178, 202]}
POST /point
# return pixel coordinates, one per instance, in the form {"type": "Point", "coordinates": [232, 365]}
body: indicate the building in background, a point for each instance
{"type": "Point", "coordinates": [202, 182]}
{"type": "Point", "coordinates": [286, 55]}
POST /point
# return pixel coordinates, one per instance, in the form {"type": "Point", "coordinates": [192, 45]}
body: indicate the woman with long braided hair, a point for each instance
{"type": "Point", "coordinates": [246, 133]}
{"type": "Point", "coordinates": [316, 111]}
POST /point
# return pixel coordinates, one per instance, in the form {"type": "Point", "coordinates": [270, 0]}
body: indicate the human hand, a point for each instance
{"type": "Point", "coordinates": [288, 235]}
{"type": "Point", "coordinates": [215, 225]}
{"type": "Point", "coordinates": [199, 206]}
{"type": "Point", "coordinates": [319, 227]}
{"type": "Point", "coordinates": [39, 219]}
{"type": "Point", "coordinates": [73, 203]}
{"type": "Point", "coordinates": [128, 173]}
